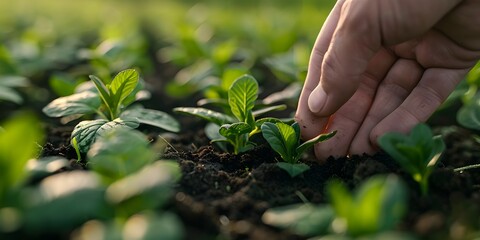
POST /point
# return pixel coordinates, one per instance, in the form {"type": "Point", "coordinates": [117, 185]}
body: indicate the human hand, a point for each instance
{"type": "Point", "coordinates": [384, 65]}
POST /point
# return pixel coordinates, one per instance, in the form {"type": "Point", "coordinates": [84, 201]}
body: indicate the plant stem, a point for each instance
{"type": "Point", "coordinates": [424, 186]}
{"type": "Point", "coordinates": [466, 167]}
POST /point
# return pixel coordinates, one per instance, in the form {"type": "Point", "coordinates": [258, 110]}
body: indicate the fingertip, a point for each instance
{"type": "Point", "coordinates": [317, 100]}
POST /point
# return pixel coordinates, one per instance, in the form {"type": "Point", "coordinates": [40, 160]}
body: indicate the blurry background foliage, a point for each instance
{"type": "Point", "coordinates": [192, 45]}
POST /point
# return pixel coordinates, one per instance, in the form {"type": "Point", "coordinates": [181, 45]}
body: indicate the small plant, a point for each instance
{"type": "Point", "coordinates": [416, 153]}
{"type": "Point", "coordinates": [285, 140]}
{"type": "Point", "coordinates": [372, 212]}
{"type": "Point", "coordinates": [237, 127]}
{"type": "Point", "coordinates": [112, 103]}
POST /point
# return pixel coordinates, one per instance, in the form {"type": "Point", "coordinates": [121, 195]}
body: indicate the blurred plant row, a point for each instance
{"type": "Point", "coordinates": [68, 60]}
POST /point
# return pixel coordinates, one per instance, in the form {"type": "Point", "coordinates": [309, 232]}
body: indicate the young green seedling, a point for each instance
{"type": "Point", "coordinates": [285, 140]}
{"type": "Point", "coordinates": [236, 127]}
{"type": "Point", "coordinates": [416, 153]}
{"type": "Point", "coordinates": [110, 102]}
{"type": "Point", "coordinates": [372, 212]}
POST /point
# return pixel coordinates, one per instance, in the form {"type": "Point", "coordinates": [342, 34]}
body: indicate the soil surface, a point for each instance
{"type": "Point", "coordinates": [223, 196]}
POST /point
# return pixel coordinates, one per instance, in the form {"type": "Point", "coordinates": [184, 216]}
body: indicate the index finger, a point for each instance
{"type": "Point", "coordinates": [312, 125]}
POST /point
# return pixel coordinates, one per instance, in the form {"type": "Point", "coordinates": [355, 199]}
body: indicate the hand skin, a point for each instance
{"type": "Point", "coordinates": [383, 66]}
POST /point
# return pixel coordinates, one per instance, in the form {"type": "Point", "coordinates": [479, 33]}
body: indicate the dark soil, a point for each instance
{"type": "Point", "coordinates": [223, 196]}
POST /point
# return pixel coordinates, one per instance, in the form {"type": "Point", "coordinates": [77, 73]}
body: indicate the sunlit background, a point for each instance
{"type": "Point", "coordinates": [179, 46]}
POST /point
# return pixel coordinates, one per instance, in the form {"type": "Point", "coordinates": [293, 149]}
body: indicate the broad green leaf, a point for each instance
{"type": "Point", "coordinates": [304, 219]}
{"type": "Point", "coordinates": [290, 140]}
{"type": "Point", "coordinates": [122, 85]}
{"type": "Point", "coordinates": [148, 188]}
{"type": "Point", "coordinates": [19, 142]}
{"type": "Point", "coordinates": [64, 201]}
{"type": "Point", "coordinates": [206, 114]}
{"type": "Point", "coordinates": [293, 169]}
{"type": "Point", "coordinates": [78, 103]}
{"type": "Point", "coordinates": [276, 140]}
{"type": "Point", "coordinates": [417, 152]}
{"type": "Point", "coordinates": [242, 96]}
{"type": "Point", "coordinates": [235, 129]}
{"type": "Point", "coordinates": [306, 145]}
{"type": "Point", "coordinates": [103, 92]}
{"type": "Point", "coordinates": [469, 115]}
{"type": "Point", "coordinates": [118, 153]}
{"type": "Point", "coordinates": [87, 131]}
{"type": "Point", "coordinates": [364, 218]}
{"type": "Point", "coordinates": [282, 138]}
{"type": "Point", "coordinates": [153, 117]}
{"type": "Point", "coordinates": [379, 205]}
{"type": "Point", "coordinates": [9, 94]}
{"type": "Point", "coordinates": [340, 198]}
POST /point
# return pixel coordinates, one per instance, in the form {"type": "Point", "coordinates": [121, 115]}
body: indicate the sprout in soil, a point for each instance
{"type": "Point", "coordinates": [285, 140]}
{"type": "Point", "coordinates": [237, 126]}
{"type": "Point", "coordinates": [112, 102]}
{"type": "Point", "coordinates": [416, 153]}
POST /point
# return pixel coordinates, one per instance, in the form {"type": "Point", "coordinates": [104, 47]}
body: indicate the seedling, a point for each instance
{"type": "Point", "coordinates": [416, 153]}
{"type": "Point", "coordinates": [372, 212]}
{"type": "Point", "coordinates": [112, 103]}
{"type": "Point", "coordinates": [285, 140]}
{"type": "Point", "coordinates": [236, 127]}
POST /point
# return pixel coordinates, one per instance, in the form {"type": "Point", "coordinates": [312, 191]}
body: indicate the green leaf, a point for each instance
{"type": "Point", "coordinates": [282, 138]}
{"type": "Point", "coordinates": [148, 188]}
{"type": "Point", "coordinates": [340, 198]}
{"type": "Point", "coordinates": [87, 131]}
{"type": "Point", "coordinates": [122, 85]}
{"type": "Point", "coordinates": [153, 117]}
{"type": "Point", "coordinates": [64, 201]}
{"type": "Point", "coordinates": [306, 145]}
{"type": "Point", "coordinates": [19, 142]}
{"type": "Point", "coordinates": [304, 219]}
{"type": "Point", "coordinates": [469, 115]}
{"type": "Point", "coordinates": [9, 94]}
{"type": "Point", "coordinates": [261, 121]}
{"type": "Point", "coordinates": [79, 103]}
{"type": "Point", "coordinates": [103, 92]}
{"type": "Point", "coordinates": [293, 169]}
{"type": "Point", "coordinates": [242, 96]}
{"type": "Point", "coordinates": [417, 153]}
{"type": "Point", "coordinates": [119, 152]}
{"type": "Point", "coordinates": [235, 129]}
{"type": "Point", "coordinates": [206, 114]}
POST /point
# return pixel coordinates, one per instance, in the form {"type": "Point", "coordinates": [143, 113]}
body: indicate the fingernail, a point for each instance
{"type": "Point", "coordinates": [317, 99]}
